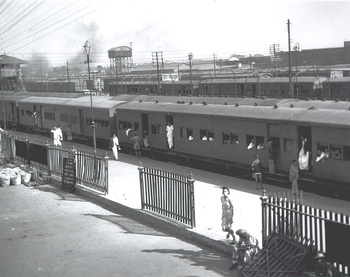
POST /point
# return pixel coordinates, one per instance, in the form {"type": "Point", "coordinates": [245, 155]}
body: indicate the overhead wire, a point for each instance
{"type": "Point", "coordinates": [37, 24]}
{"type": "Point", "coordinates": [85, 14]}
{"type": "Point", "coordinates": [19, 19]}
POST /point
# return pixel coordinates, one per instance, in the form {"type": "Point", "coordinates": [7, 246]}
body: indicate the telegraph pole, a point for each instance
{"type": "Point", "coordinates": [68, 76]}
{"type": "Point", "coordinates": [290, 63]}
{"type": "Point", "coordinates": [155, 59]}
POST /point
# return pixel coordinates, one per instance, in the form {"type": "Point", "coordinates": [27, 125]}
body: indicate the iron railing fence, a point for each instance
{"type": "Point", "coordinates": [91, 169]}
{"type": "Point", "coordinates": [168, 194]}
{"type": "Point", "coordinates": [319, 229]}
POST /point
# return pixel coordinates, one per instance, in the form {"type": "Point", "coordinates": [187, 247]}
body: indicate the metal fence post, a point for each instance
{"type": "Point", "coordinates": [193, 214]}
{"type": "Point", "coordinates": [27, 151]}
{"type": "Point", "coordinates": [263, 199]}
{"type": "Point", "coordinates": [48, 158]}
{"type": "Point", "coordinates": [141, 171]}
{"type": "Point", "coordinates": [106, 159]}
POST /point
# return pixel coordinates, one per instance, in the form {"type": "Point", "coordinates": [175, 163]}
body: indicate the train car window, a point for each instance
{"type": "Point", "coordinates": [107, 124]}
{"type": "Point", "coordinates": [225, 138]}
{"type": "Point", "coordinates": [210, 136]}
{"type": "Point", "coordinates": [49, 116]}
{"type": "Point", "coordinates": [346, 153]}
{"type": "Point", "coordinates": [250, 142]}
{"type": "Point", "coordinates": [181, 132]}
{"type": "Point", "coordinates": [234, 139]}
{"type": "Point", "coordinates": [64, 117]}
{"type": "Point", "coordinates": [153, 129]}
{"type": "Point", "coordinates": [136, 126]}
{"type": "Point", "coordinates": [322, 152]}
{"type": "Point", "coordinates": [259, 140]}
{"type": "Point", "coordinates": [189, 134]}
{"type": "Point", "coordinates": [336, 152]}
{"type": "Point", "coordinates": [22, 112]}
{"type": "Point", "coordinates": [203, 134]}
{"type": "Point", "coordinates": [288, 145]}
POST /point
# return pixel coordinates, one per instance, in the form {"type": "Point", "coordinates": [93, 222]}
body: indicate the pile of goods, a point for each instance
{"type": "Point", "coordinates": [16, 176]}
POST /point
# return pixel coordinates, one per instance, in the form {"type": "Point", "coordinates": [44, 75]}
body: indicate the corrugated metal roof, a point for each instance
{"type": "Point", "coordinates": [4, 59]}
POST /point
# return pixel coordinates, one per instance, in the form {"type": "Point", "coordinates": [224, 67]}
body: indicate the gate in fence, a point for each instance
{"type": "Point", "coordinates": [168, 194]}
{"type": "Point", "coordinates": [91, 169]}
{"type": "Point", "coordinates": [318, 229]}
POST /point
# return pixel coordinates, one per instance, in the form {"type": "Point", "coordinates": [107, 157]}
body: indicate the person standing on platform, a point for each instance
{"type": "Point", "coordinates": [145, 139]}
{"type": "Point", "coordinates": [257, 172]}
{"type": "Point", "coordinates": [59, 134]}
{"type": "Point", "coordinates": [57, 139]}
{"type": "Point", "coordinates": [227, 214]}
{"type": "Point", "coordinates": [137, 141]}
{"type": "Point", "coordinates": [270, 157]}
{"type": "Point", "coordinates": [170, 134]}
{"type": "Point", "coordinates": [293, 178]}
{"type": "Point", "coordinates": [114, 145]}
{"type": "Point", "coordinates": [69, 133]}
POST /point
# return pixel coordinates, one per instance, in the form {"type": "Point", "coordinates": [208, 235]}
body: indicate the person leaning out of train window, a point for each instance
{"type": "Point", "coordinates": [260, 146]}
{"type": "Point", "coordinates": [245, 250]}
{"type": "Point", "coordinates": [322, 155]}
{"type": "Point", "coordinates": [251, 144]}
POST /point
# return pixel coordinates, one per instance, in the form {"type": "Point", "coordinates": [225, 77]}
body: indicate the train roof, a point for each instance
{"type": "Point", "coordinates": [252, 79]}
{"type": "Point", "coordinates": [297, 111]}
{"type": "Point", "coordinates": [101, 102]}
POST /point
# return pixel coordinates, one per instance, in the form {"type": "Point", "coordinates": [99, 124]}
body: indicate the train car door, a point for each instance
{"type": "Point", "coordinates": [169, 119]}
{"type": "Point", "coordinates": [276, 150]}
{"type": "Point", "coordinates": [81, 121]}
{"type": "Point", "coordinates": [144, 126]}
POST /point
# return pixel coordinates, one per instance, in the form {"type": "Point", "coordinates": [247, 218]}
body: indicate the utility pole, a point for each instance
{"type": "Point", "coordinates": [2, 95]}
{"type": "Point", "coordinates": [290, 63]}
{"type": "Point", "coordinates": [190, 56]}
{"type": "Point", "coordinates": [68, 75]}
{"type": "Point", "coordinates": [155, 60]}
{"type": "Point", "coordinates": [214, 64]}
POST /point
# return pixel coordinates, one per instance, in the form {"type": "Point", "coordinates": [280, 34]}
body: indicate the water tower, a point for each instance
{"type": "Point", "coordinates": [120, 59]}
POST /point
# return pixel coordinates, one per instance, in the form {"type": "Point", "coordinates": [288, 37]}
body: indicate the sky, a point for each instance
{"type": "Point", "coordinates": [56, 30]}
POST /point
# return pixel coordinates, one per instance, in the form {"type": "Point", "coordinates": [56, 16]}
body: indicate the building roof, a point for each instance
{"type": "Point", "coordinates": [4, 59]}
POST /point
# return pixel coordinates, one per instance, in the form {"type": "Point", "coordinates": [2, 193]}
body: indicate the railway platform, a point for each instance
{"type": "Point", "coordinates": [124, 198]}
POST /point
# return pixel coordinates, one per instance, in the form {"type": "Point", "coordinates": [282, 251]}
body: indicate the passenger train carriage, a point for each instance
{"type": "Point", "coordinates": [211, 133]}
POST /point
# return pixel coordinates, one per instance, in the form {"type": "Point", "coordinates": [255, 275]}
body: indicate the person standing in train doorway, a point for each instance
{"type": "Point", "coordinates": [114, 145]}
{"type": "Point", "coordinates": [170, 134]}
{"type": "Point", "coordinates": [270, 157]}
{"type": "Point", "coordinates": [257, 172]}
